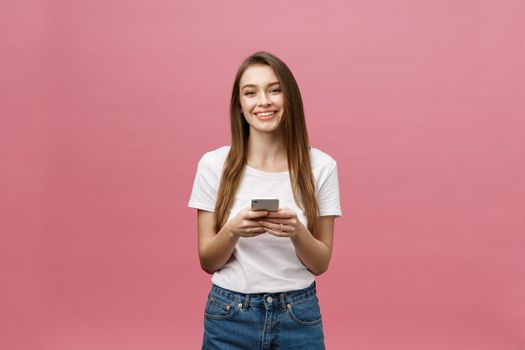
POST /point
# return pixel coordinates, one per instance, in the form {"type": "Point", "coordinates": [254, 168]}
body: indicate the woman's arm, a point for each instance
{"type": "Point", "coordinates": [314, 251]}
{"type": "Point", "coordinates": [215, 249]}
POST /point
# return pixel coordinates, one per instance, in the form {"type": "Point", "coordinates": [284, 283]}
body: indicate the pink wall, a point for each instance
{"type": "Point", "coordinates": [106, 108]}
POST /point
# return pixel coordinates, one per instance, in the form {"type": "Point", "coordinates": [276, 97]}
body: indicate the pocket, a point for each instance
{"type": "Point", "coordinates": [306, 312]}
{"type": "Point", "coordinates": [218, 309]}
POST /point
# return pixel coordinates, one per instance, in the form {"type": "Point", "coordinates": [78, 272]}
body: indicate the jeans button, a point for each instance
{"type": "Point", "coordinates": [269, 299]}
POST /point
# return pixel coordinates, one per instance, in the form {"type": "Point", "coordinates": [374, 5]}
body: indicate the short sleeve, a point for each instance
{"type": "Point", "coordinates": [205, 186]}
{"type": "Point", "coordinates": [328, 193]}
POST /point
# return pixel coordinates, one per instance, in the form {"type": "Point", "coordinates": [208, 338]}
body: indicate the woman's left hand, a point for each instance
{"type": "Point", "coordinates": [282, 223]}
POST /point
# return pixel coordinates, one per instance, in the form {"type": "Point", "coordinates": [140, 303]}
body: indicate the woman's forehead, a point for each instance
{"type": "Point", "coordinates": [258, 75]}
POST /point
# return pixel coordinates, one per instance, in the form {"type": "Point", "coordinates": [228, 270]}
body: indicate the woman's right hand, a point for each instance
{"type": "Point", "coordinates": [245, 223]}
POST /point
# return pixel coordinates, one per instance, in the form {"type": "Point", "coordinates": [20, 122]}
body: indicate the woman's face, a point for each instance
{"type": "Point", "coordinates": [260, 93]}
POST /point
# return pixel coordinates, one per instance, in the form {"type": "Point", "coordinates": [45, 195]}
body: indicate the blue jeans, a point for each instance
{"type": "Point", "coordinates": [288, 320]}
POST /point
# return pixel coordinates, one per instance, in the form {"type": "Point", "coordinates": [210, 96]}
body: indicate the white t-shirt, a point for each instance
{"type": "Point", "coordinates": [264, 263]}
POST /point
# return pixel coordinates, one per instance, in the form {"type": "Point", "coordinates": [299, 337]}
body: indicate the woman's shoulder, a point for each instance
{"type": "Point", "coordinates": [321, 159]}
{"type": "Point", "coordinates": [215, 157]}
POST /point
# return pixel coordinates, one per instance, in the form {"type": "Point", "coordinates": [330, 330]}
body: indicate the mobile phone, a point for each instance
{"type": "Point", "coordinates": [269, 204]}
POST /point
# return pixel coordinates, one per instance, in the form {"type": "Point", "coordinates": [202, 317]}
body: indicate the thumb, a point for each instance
{"type": "Point", "coordinates": [258, 213]}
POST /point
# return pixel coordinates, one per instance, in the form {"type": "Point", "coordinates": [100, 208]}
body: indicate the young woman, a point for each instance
{"type": "Point", "coordinates": [263, 263]}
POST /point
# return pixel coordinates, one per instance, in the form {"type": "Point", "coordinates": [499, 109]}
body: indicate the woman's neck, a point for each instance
{"type": "Point", "coordinates": [266, 151]}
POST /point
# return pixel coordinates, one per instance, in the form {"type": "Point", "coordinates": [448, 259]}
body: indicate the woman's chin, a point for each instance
{"type": "Point", "coordinates": [266, 128]}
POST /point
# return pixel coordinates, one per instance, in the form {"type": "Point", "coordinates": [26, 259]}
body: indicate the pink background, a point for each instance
{"type": "Point", "coordinates": [107, 106]}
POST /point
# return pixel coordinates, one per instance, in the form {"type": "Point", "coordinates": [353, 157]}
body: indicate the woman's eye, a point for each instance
{"type": "Point", "coordinates": [248, 93]}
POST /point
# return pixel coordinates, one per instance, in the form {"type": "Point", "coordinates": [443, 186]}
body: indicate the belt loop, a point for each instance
{"type": "Point", "coordinates": [246, 301]}
{"type": "Point", "coordinates": [283, 301]}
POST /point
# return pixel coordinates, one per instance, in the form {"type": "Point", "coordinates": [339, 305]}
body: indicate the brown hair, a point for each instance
{"type": "Point", "coordinates": [295, 139]}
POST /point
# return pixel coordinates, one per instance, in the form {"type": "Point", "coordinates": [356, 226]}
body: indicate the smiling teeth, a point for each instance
{"type": "Point", "coordinates": [265, 114]}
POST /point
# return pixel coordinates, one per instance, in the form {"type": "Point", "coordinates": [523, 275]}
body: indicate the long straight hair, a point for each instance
{"type": "Point", "coordinates": [295, 139]}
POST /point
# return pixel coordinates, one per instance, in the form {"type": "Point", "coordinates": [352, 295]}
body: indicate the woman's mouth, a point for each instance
{"type": "Point", "coordinates": [265, 115]}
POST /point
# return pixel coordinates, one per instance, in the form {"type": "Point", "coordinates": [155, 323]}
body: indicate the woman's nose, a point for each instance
{"type": "Point", "coordinates": [264, 100]}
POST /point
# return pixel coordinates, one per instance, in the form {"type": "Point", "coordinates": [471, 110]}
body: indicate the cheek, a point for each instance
{"type": "Point", "coordinates": [246, 105]}
{"type": "Point", "coordinates": [278, 100]}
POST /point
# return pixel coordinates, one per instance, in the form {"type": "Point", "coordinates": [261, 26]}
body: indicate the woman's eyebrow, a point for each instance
{"type": "Point", "coordinates": [252, 85]}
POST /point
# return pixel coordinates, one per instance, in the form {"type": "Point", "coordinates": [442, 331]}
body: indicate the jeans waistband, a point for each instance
{"type": "Point", "coordinates": [269, 300]}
